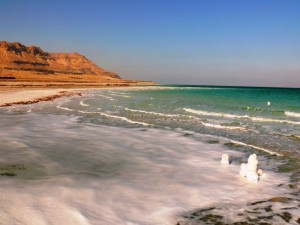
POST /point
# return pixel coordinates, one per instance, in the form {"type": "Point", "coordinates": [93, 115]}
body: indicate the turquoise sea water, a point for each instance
{"type": "Point", "coordinates": [242, 114]}
{"type": "Point", "coordinates": [152, 156]}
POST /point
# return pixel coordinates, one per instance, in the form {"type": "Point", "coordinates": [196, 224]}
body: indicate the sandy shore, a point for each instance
{"type": "Point", "coordinates": [11, 96]}
{"type": "Point", "coordinates": [16, 97]}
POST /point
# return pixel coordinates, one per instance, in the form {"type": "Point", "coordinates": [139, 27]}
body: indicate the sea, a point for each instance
{"type": "Point", "coordinates": [152, 155]}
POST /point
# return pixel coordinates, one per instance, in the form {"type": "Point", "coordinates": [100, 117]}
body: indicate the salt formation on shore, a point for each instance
{"type": "Point", "coordinates": [249, 170]}
{"type": "Point", "coordinates": [225, 159]}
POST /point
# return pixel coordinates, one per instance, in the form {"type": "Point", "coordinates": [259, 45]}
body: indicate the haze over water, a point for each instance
{"type": "Point", "coordinates": [152, 157]}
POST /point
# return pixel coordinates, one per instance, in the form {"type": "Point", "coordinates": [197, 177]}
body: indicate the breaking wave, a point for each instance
{"type": "Point", "coordinates": [153, 113]}
{"type": "Point", "coordinates": [64, 108]}
{"type": "Point", "coordinates": [84, 104]}
{"type": "Point", "coordinates": [292, 114]}
{"type": "Point", "coordinates": [218, 126]}
{"type": "Point", "coordinates": [256, 147]}
{"type": "Point", "coordinates": [121, 95]}
{"type": "Point", "coordinates": [117, 117]}
{"type": "Point", "coordinates": [232, 116]}
{"type": "Point", "coordinates": [107, 97]}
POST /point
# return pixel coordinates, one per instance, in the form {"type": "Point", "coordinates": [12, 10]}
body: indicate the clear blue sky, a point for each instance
{"type": "Point", "coordinates": [218, 42]}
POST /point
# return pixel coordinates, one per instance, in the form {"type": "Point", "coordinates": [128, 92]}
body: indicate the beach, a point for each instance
{"type": "Point", "coordinates": [16, 97]}
{"type": "Point", "coordinates": [150, 155]}
{"type": "Point", "coordinates": [12, 95]}
{"type": "Point", "coordinates": [150, 113]}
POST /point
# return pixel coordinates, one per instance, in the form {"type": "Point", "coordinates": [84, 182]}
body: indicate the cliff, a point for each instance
{"type": "Point", "coordinates": [16, 58]}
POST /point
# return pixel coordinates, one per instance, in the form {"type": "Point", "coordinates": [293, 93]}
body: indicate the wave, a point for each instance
{"type": "Point", "coordinates": [292, 114]}
{"type": "Point", "coordinates": [114, 92]}
{"type": "Point", "coordinates": [251, 108]}
{"type": "Point", "coordinates": [125, 119]}
{"type": "Point", "coordinates": [205, 113]}
{"type": "Point", "coordinates": [64, 108]}
{"type": "Point", "coordinates": [291, 136]}
{"type": "Point", "coordinates": [104, 96]}
{"type": "Point", "coordinates": [256, 147]}
{"type": "Point", "coordinates": [294, 136]}
{"type": "Point", "coordinates": [84, 104]}
{"type": "Point", "coordinates": [117, 117]}
{"type": "Point", "coordinates": [87, 112]}
{"type": "Point", "coordinates": [121, 95]}
{"type": "Point", "coordinates": [153, 113]}
{"type": "Point", "coordinates": [232, 116]}
{"type": "Point", "coordinates": [218, 126]}
{"type": "Point", "coordinates": [263, 119]}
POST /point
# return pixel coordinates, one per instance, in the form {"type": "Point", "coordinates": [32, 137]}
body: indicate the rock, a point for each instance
{"type": "Point", "coordinates": [279, 199]}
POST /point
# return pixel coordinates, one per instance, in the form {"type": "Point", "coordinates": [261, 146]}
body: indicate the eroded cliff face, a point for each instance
{"type": "Point", "coordinates": [18, 57]}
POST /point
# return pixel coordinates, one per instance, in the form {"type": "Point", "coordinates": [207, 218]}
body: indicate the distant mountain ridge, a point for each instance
{"type": "Point", "coordinates": [17, 57]}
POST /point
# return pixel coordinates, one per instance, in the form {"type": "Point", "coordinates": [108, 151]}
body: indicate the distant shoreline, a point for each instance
{"type": "Point", "coordinates": [225, 86]}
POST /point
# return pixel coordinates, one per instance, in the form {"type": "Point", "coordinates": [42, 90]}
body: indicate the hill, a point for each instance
{"type": "Point", "coordinates": [31, 63]}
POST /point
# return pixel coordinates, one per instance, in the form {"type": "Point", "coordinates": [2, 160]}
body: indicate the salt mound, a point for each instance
{"type": "Point", "coordinates": [225, 159]}
{"type": "Point", "coordinates": [249, 170]}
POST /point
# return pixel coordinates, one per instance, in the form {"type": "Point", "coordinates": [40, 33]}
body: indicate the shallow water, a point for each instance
{"type": "Point", "coordinates": [151, 157]}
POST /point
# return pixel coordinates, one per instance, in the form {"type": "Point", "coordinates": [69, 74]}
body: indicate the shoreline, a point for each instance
{"type": "Point", "coordinates": [27, 95]}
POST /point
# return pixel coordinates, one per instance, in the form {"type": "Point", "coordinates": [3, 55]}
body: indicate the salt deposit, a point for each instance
{"type": "Point", "coordinates": [225, 159]}
{"type": "Point", "coordinates": [249, 170]}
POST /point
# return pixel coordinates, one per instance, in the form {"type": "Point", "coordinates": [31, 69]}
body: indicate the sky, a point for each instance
{"type": "Point", "coordinates": [204, 42]}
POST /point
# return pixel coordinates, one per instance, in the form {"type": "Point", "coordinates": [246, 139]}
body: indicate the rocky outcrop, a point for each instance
{"type": "Point", "coordinates": [18, 57]}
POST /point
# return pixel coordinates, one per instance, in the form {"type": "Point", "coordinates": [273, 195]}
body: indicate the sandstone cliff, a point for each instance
{"type": "Point", "coordinates": [16, 58]}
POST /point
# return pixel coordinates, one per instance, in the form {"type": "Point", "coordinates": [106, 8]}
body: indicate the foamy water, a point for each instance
{"type": "Point", "coordinates": [261, 119]}
{"type": "Point", "coordinates": [88, 174]}
{"type": "Point", "coordinates": [292, 114]}
{"type": "Point", "coordinates": [144, 160]}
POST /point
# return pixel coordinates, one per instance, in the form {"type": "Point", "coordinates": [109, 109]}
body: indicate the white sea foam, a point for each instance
{"type": "Point", "coordinates": [125, 119]}
{"type": "Point", "coordinates": [256, 147]}
{"type": "Point", "coordinates": [227, 115]}
{"type": "Point", "coordinates": [94, 174]}
{"type": "Point", "coordinates": [218, 126]}
{"type": "Point", "coordinates": [153, 113]}
{"type": "Point", "coordinates": [263, 119]}
{"type": "Point", "coordinates": [121, 95]}
{"type": "Point", "coordinates": [104, 96]}
{"type": "Point", "coordinates": [292, 114]}
{"type": "Point", "coordinates": [82, 103]}
{"type": "Point", "coordinates": [64, 108]}
{"type": "Point", "coordinates": [116, 117]}
{"type": "Point", "coordinates": [87, 112]}
{"type": "Point", "coordinates": [205, 113]}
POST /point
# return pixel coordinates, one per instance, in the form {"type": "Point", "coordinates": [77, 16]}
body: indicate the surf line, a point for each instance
{"type": "Point", "coordinates": [64, 108]}
{"type": "Point", "coordinates": [260, 119]}
{"type": "Point", "coordinates": [104, 96]}
{"type": "Point", "coordinates": [121, 95]}
{"type": "Point", "coordinates": [291, 114]}
{"type": "Point", "coordinates": [154, 113]}
{"type": "Point", "coordinates": [256, 147]}
{"type": "Point", "coordinates": [84, 104]}
{"type": "Point", "coordinates": [218, 126]}
{"type": "Point", "coordinates": [117, 117]}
